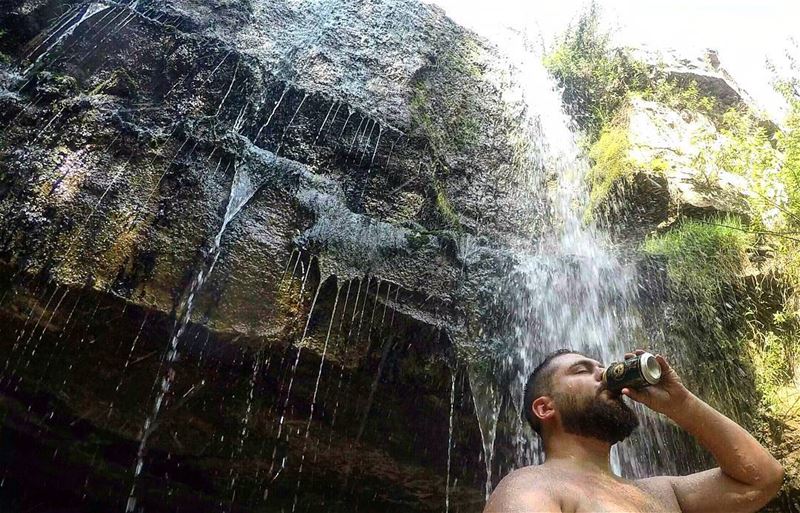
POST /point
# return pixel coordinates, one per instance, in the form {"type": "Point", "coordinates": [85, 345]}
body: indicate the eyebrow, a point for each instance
{"type": "Point", "coordinates": [590, 363]}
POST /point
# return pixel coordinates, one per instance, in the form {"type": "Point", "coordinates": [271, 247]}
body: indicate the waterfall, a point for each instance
{"type": "Point", "coordinates": [570, 289]}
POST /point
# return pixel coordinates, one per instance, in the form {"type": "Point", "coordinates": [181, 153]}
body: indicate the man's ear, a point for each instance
{"type": "Point", "coordinates": [543, 407]}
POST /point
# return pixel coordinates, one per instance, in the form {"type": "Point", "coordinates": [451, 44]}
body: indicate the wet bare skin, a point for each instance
{"type": "Point", "coordinates": [577, 478]}
{"type": "Point", "coordinates": [572, 490]}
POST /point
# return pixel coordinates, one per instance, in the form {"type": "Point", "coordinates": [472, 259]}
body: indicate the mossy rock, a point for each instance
{"type": "Point", "coordinates": [119, 83]}
{"type": "Point", "coordinates": [649, 171]}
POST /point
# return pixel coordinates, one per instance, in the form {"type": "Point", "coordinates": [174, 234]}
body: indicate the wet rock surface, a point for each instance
{"type": "Point", "coordinates": [319, 324]}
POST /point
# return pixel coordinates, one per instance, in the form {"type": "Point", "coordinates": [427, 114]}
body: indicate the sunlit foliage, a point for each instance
{"type": "Point", "coordinates": [594, 75]}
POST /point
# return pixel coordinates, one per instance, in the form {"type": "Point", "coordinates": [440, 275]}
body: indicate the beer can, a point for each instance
{"type": "Point", "coordinates": [640, 371]}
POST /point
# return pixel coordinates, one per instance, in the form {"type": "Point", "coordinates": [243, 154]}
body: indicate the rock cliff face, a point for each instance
{"type": "Point", "coordinates": [669, 178]}
{"type": "Point", "coordinates": [259, 236]}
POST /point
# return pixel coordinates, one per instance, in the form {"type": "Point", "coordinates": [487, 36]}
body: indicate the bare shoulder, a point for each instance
{"type": "Point", "coordinates": [660, 484]}
{"type": "Point", "coordinates": [660, 487]}
{"type": "Point", "coordinates": [531, 477]}
{"type": "Point", "coordinates": [524, 490]}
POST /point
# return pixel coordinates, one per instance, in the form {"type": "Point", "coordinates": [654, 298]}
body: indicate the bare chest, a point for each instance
{"type": "Point", "coordinates": [615, 497]}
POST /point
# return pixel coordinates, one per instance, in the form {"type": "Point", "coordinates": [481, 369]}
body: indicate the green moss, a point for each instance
{"type": "Point", "coordinates": [119, 83]}
{"type": "Point", "coordinates": [445, 209]}
{"type": "Point", "coordinates": [704, 258]}
{"type": "Point", "coordinates": [417, 240]}
{"type": "Point", "coordinates": [611, 164]}
{"type": "Point", "coordinates": [448, 113]}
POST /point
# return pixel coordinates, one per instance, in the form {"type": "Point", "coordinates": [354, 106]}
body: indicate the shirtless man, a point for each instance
{"type": "Point", "coordinates": [579, 420]}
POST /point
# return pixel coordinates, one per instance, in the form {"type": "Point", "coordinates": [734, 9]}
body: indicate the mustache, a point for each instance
{"type": "Point", "coordinates": [614, 394]}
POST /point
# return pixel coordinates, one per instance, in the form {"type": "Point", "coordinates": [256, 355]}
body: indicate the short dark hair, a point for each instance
{"type": "Point", "coordinates": [539, 383]}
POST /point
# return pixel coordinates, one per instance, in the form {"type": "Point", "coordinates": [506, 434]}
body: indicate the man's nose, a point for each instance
{"type": "Point", "coordinates": [598, 373]}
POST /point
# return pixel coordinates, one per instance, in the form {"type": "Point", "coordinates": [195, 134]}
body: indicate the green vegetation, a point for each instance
{"type": "Point", "coordinates": [595, 77]}
{"type": "Point", "coordinates": [788, 143]}
{"type": "Point", "coordinates": [747, 147]}
{"type": "Point", "coordinates": [775, 351]}
{"type": "Point", "coordinates": [449, 120]}
{"type": "Point", "coordinates": [445, 209]}
{"type": "Point", "coordinates": [611, 164]}
{"type": "Point", "coordinates": [710, 309]}
{"type": "Point", "coordinates": [773, 354]}
{"type": "Point", "coordinates": [704, 258]}
{"type": "Point", "coordinates": [598, 82]}
{"type": "Point", "coordinates": [446, 109]}
{"type": "Point", "coordinates": [676, 96]}
{"type": "Point", "coordinates": [119, 83]}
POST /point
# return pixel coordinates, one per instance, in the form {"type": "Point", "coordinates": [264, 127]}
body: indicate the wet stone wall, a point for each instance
{"type": "Point", "coordinates": [245, 248]}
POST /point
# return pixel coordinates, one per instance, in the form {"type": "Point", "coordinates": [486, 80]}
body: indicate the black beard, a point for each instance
{"type": "Point", "coordinates": [609, 420]}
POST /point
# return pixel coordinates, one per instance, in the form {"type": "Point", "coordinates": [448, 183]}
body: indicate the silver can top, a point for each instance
{"type": "Point", "coordinates": [650, 368]}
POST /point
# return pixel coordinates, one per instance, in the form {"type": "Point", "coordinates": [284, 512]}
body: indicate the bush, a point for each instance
{"type": "Point", "coordinates": [595, 77]}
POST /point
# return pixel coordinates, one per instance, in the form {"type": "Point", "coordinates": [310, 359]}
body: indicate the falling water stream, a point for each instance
{"type": "Point", "coordinates": [570, 288]}
{"type": "Point", "coordinates": [242, 189]}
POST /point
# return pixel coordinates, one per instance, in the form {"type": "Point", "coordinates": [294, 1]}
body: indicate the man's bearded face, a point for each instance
{"type": "Point", "coordinates": [603, 416]}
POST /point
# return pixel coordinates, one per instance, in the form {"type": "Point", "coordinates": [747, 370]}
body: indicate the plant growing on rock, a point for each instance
{"type": "Point", "coordinates": [595, 76]}
{"type": "Point", "coordinates": [611, 164]}
{"type": "Point", "coordinates": [704, 258]}
{"type": "Point", "coordinates": [671, 93]}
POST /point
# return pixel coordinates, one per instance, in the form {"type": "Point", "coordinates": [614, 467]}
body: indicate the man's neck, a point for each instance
{"type": "Point", "coordinates": [585, 453]}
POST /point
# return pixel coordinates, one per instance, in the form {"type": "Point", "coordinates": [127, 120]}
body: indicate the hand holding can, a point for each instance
{"type": "Point", "coordinates": [640, 371]}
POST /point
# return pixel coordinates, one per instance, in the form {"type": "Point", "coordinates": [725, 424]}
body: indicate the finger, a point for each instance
{"type": "Point", "coordinates": [662, 361]}
{"type": "Point", "coordinates": [628, 356]}
{"type": "Point", "coordinates": [640, 351]}
{"type": "Point", "coordinates": [640, 396]}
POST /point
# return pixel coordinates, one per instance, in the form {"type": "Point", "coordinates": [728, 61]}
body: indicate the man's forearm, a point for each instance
{"type": "Point", "coordinates": [738, 454]}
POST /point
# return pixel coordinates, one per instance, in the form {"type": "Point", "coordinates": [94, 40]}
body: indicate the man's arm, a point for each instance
{"type": "Point", "coordinates": [747, 477]}
{"type": "Point", "coordinates": [521, 493]}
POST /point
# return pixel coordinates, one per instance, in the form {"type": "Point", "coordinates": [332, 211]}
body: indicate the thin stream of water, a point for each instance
{"type": "Point", "coordinates": [242, 189]}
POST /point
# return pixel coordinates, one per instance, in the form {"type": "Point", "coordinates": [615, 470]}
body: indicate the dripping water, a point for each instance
{"type": "Point", "coordinates": [242, 189]}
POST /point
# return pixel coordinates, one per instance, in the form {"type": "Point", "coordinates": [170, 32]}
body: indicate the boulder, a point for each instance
{"type": "Point", "coordinates": [670, 173]}
{"type": "Point", "coordinates": [706, 71]}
